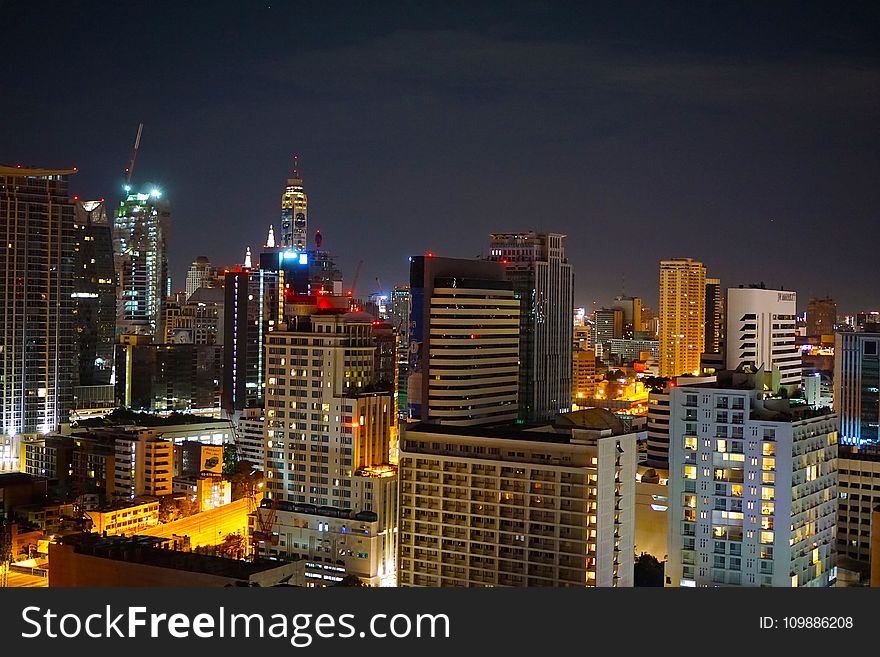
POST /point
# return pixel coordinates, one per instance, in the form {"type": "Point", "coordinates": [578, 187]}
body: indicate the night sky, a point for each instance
{"type": "Point", "coordinates": [742, 134]}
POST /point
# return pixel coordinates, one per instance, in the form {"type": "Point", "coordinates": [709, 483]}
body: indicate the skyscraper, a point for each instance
{"type": "Point", "coordinates": [401, 309]}
{"type": "Point", "coordinates": [37, 356]}
{"type": "Point", "coordinates": [761, 332]}
{"type": "Point", "coordinates": [200, 274]}
{"type": "Point", "coordinates": [543, 281]}
{"type": "Point", "coordinates": [714, 316]}
{"type": "Point", "coordinates": [752, 487]}
{"type": "Point", "coordinates": [464, 342]}
{"type": "Point", "coordinates": [252, 308]}
{"type": "Point", "coordinates": [821, 316]}
{"type": "Point", "coordinates": [140, 236]}
{"type": "Point", "coordinates": [294, 212]}
{"type": "Point", "coordinates": [682, 316]}
{"type": "Point", "coordinates": [857, 387]}
{"type": "Point", "coordinates": [94, 294]}
{"type": "Point", "coordinates": [632, 315]}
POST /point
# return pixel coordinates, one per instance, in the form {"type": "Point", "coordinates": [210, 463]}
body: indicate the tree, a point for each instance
{"type": "Point", "coordinates": [352, 581]}
{"type": "Point", "coordinates": [647, 570]}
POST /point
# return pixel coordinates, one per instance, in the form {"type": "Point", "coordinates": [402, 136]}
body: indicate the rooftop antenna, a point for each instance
{"type": "Point", "coordinates": [295, 165]}
{"type": "Point", "coordinates": [129, 170]}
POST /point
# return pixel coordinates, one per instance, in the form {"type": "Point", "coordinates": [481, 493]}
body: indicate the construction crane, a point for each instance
{"type": "Point", "coordinates": [354, 281]}
{"type": "Point", "coordinates": [129, 170]}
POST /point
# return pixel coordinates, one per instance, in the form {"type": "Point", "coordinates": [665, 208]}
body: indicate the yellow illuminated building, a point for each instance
{"type": "Point", "coordinates": [682, 316]}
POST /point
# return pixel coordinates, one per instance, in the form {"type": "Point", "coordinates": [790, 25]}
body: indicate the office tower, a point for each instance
{"type": "Point", "coordinates": [94, 294]}
{"type": "Point", "coordinates": [140, 252]}
{"type": "Point", "coordinates": [821, 316]}
{"type": "Point", "coordinates": [752, 487]}
{"type": "Point", "coordinates": [324, 276]}
{"type": "Point", "coordinates": [294, 212]}
{"type": "Point", "coordinates": [164, 378]}
{"type": "Point", "coordinates": [608, 325]}
{"type": "Point", "coordinates": [200, 274]}
{"type": "Point", "coordinates": [543, 281]}
{"type": "Point", "coordinates": [37, 358]}
{"type": "Point", "coordinates": [464, 342]}
{"type": "Point", "coordinates": [632, 315]}
{"type": "Point", "coordinates": [253, 307]}
{"type": "Point", "coordinates": [197, 319]}
{"type": "Point", "coordinates": [401, 309]}
{"type": "Point", "coordinates": [761, 332]}
{"type": "Point", "coordinates": [510, 506]}
{"type": "Point", "coordinates": [583, 376]}
{"type": "Point", "coordinates": [650, 323]}
{"type": "Point", "coordinates": [714, 316]}
{"type": "Point", "coordinates": [856, 385]}
{"type": "Point", "coordinates": [329, 425]}
{"type": "Point", "coordinates": [682, 316]}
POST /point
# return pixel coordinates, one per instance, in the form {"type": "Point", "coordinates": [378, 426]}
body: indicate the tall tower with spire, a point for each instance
{"type": "Point", "coordinates": [294, 211]}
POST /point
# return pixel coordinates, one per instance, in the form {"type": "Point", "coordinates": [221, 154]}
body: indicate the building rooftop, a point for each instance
{"type": "Point", "coordinates": [148, 550]}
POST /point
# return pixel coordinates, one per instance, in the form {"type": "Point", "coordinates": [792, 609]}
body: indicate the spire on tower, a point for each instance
{"type": "Point", "coordinates": [247, 257]}
{"type": "Point", "coordinates": [296, 166]}
{"type": "Point", "coordinates": [271, 241]}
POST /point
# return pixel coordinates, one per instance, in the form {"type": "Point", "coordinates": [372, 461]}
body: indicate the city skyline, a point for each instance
{"type": "Point", "coordinates": [760, 127]}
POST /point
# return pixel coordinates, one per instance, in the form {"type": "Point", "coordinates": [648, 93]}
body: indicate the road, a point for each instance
{"type": "Point", "coordinates": [208, 527]}
{"type": "Point", "coordinates": [18, 580]}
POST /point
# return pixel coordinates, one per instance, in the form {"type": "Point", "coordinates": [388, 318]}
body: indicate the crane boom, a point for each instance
{"type": "Point", "coordinates": [129, 170]}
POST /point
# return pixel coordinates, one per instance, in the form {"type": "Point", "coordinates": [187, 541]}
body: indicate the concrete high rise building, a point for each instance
{"type": "Point", "coordinates": [253, 307]}
{"type": "Point", "coordinates": [37, 358]}
{"type": "Point", "coordinates": [761, 333]}
{"type": "Point", "coordinates": [608, 325]}
{"type": "Point", "coordinates": [401, 310]}
{"type": "Point", "coordinates": [632, 315]}
{"type": "Point", "coordinates": [543, 280]}
{"type": "Point", "coordinates": [94, 294]}
{"type": "Point", "coordinates": [294, 212]}
{"type": "Point", "coordinates": [550, 505]}
{"type": "Point", "coordinates": [682, 316]}
{"type": "Point", "coordinates": [200, 274]}
{"type": "Point", "coordinates": [140, 251]}
{"type": "Point", "coordinates": [857, 387]}
{"type": "Point", "coordinates": [821, 316]}
{"type": "Point", "coordinates": [752, 488]}
{"type": "Point", "coordinates": [464, 342]}
{"type": "Point", "coordinates": [329, 427]}
{"type": "Point", "coordinates": [714, 316]}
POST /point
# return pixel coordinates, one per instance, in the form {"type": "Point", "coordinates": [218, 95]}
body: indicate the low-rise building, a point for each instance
{"type": "Point", "coordinates": [126, 519]}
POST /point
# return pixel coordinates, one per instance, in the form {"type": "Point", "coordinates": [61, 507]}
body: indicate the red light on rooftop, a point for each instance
{"type": "Point", "coordinates": [76, 198]}
{"type": "Point", "coordinates": [430, 254]}
{"type": "Point", "coordinates": [349, 293]}
{"type": "Point", "coordinates": [504, 262]}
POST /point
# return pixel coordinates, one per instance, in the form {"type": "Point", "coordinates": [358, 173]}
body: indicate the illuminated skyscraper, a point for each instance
{"type": "Point", "coordinates": [140, 235]}
{"type": "Point", "coordinates": [464, 342]}
{"type": "Point", "coordinates": [821, 316]}
{"type": "Point", "coordinates": [543, 280]}
{"type": "Point", "coordinates": [37, 356]}
{"type": "Point", "coordinates": [682, 316]}
{"type": "Point", "coordinates": [714, 316]}
{"type": "Point", "coordinates": [294, 212]}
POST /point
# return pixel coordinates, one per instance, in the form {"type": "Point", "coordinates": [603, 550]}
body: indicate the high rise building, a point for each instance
{"type": "Point", "coordinates": [329, 427]}
{"type": "Point", "coordinates": [197, 319]}
{"type": "Point", "coordinates": [249, 437]}
{"type": "Point", "coordinates": [543, 280]}
{"type": "Point", "coordinates": [401, 309]}
{"type": "Point", "coordinates": [200, 274]}
{"type": "Point", "coordinates": [140, 251]}
{"type": "Point", "coordinates": [37, 358]}
{"type": "Point", "coordinates": [714, 316]}
{"type": "Point", "coordinates": [253, 307]}
{"type": "Point", "coordinates": [165, 378]}
{"type": "Point", "coordinates": [608, 325]}
{"type": "Point", "coordinates": [752, 487]}
{"type": "Point", "coordinates": [464, 342]}
{"type": "Point", "coordinates": [632, 315]}
{"type": "Point", "coordinates": [857, 387]}
{"type": "Point", "coordinates": [583, 376]}
{"type": "Point", "coordinates": [821, 316]}
{"type": "Point", "coordinates": [510, 506]}
{"type": "Point", "coordinates": [294, 212]}
{"type": "Point", "coordinates": [682, 316]}
{"type": "Point", "coordinates": [761, 332]}
{"type": "Point", "coordinates": [94, 294]}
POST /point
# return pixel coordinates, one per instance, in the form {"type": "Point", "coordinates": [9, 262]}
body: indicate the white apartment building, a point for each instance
{"type": "Point", "coordinates": [761, 332]}
{"type": "Point", "coordinates": [752, 488]}
{"type": "Point", "coordinates": [249, 436]}
{"type": "Point", "coordinates": [515, 506]}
